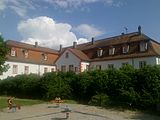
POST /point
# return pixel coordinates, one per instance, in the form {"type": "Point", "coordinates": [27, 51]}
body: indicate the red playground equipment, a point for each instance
{"type": "Point", "coordinates": [11, 105]}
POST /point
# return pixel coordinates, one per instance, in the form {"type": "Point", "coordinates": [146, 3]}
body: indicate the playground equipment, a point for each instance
{"type": "Point", "coordinates": [11, 105]}
{"type": "Point", "coordinates": [67, 110]}
{"type": "Point", "coordinates": [57, 100]}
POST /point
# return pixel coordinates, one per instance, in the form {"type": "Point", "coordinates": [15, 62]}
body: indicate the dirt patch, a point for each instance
{"type": "Point", "coordinates": [78, 112]}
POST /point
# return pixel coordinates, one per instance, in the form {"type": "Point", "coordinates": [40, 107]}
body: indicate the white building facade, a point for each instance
{"type": "Point", "coordinates": [26, 59]}
{"type": "Point", "coordinates": [135, 49]}
{"type": "Point", "coordinates": [70, 61]}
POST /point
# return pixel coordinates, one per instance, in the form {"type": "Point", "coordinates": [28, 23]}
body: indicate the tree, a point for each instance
{"type": "Point", "coordinates": [3, 52]}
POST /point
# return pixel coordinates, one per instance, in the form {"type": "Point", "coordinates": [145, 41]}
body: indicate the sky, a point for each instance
{"type": "Point", "coordinates": [55, 22]}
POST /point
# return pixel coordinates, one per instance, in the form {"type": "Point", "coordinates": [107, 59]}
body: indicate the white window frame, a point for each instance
{"type": "Point", "coordinates": [26, 69]}
{"type": "Point", "coordinates": [142, 64]}
{"type": "Point", "coordinates": [125, 49]}
{"type": "Point", "coordinates": [63, 68]}
{"type": "Point", "coordinates": [125, 63]}
{"type": "Point", "coordinates": [110, 66]}
{"type": "Point", "coordinates": [13, 52]}
{"type": "Point", "coordinates": [52, 69]}
{"type": "Point", "coordinates": [45, 69]}
{"type": "Point", "coordinates": [71, 68]}
{"type": "Point", "coordinates": [143, 46]}
{"type": "Point", "coordinates": [111, 51]}
{"type": "Point", "coordinates": [99, 52]}
{"type": "Point", "coordinates": [15, 69]}
{"type": "Point", "coordinates": [98, 67]}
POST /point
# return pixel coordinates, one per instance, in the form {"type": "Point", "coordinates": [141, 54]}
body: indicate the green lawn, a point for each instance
{"type": "Point", "coordinates": [21, 102]}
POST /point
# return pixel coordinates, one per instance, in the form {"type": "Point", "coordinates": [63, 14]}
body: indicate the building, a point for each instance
{"type": "Point", "coordinates": [25, 59]}
{"type": "Point", "coordinates": [135, 49]}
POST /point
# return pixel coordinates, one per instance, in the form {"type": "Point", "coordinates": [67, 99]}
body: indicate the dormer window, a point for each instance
{"type": "Point", "coordinates": [45, 56]}
{"type": "Point", "coordinates": [99, 52]}
{"type": "Point", "coordinates": [125, 49]}
{"type": "Point", "coordinates": [111, 51]}
{"type": "Point", "coordinates": [143, 46]}
{"type": "Point", "coordinates": [25, 52]}
{"type": "Point", "coordinates": [13, 52]}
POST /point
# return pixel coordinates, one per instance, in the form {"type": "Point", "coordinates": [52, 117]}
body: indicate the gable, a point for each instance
{"type": "Point", "coordinates": [63, 59]}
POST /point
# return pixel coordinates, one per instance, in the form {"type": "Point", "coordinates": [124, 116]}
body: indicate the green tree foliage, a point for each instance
{"type": "Point", "coordinates": [23, 86]}
{"type": "Point", "coordinates": [99, 99]}
{"type": "Point", "coordinates": [3, 52]}
{"type": "Point", "coordinates": [56, 85]}
{"type": "Point", "coordinates": [136, 88]}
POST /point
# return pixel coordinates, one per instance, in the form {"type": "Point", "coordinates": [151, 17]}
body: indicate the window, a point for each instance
{"type": "Point", "coordinates": [125, 49]}
{"type": "Point", "coordinates": [45, 56]}
{"type": "Point", "coordinates": [26, 69]}
{"type": "Point", "coordinates": [63, 68]}
{"type": "Point", "coordinates": [99, 52]}
{"type": "Point", "coordinates": [25, 52]}
{"type": "Point", "coordinates": [143, 46]}
{"type": "Point", "coordinates": [111, 51]}
{"type": "Point", "coordinates": [52, 70]}
{"type": "Point", "coordinates": [98, 67]}
{"type": "Point", "coordinates": [71, 67]}
{"type": "Point", "coordinates": [13, 52]}
{"type": "Point", "coordinates": [110, 66]}
{"type": "Point", "coordinates": [45, 70]}
{"type": "Point", "coordinates": [87, 67]}
{"type": "Point", "coordinates": [15, 69]}
{"type": "Point", "coordinates": [142, 64]}
{"type": "Point", "coordinates": [67, 55]}
{"type": "Point", "coordinates": [76, 69]}
{"type": "Point", "coordinates": [124, 64]}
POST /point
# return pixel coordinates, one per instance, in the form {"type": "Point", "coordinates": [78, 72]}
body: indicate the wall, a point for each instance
{"type": "Point", "coordinates": [118, 63]}
{"type": "Point", "coordinates": [33, 68]}
{"type": "Point", "coordinates": [71, 60]}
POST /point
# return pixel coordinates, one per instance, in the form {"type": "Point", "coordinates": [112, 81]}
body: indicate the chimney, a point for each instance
{"type": "Point", "coordinates": [36, 44]}
{"type": "Point", "coordinates": [74, 44]}
{"type": "Point", "coordinates": [122, 33]}
{"type": "Point", "coordinates": [60, 48]}
{"type": "Point", "coordinates": [139, 30]}
{"type": "Point", "coordinates": [92, 40]}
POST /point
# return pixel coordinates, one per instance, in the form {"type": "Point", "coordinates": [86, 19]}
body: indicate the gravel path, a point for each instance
{"type": "Point", "coordinates": [79, 112]}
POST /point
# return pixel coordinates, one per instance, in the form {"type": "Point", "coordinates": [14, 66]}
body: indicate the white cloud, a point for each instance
{"type": "Point", "coordinates": [2, 5]}
{"type": "Point", "coordinates": [88, 31]}
{"type": "Point", "coordinates": [18, 6]}
{"type": "Point", "coordinates": [76, 3]}
{"type": "Point", "coordinates": [47, 32]}
{"type": "Point", "coordinates": [21, 7]}
{"type": "Point", "coordinates": [19, 10]}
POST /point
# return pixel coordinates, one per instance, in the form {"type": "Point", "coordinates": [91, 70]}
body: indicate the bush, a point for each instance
{"type": "Point", "coordinates": [100, 99]}
{"type": "Point", "coordinates": [140, 87]}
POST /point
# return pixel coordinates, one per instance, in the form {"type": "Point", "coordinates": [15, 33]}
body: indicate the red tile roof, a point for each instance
{"type": "Point", "coordinates": [135, 38]}
{"type": "Point", "coordinates": [35, 54]}
{"type": "Point", "coordinates": [30, 47]}
{"type": "Point", "coordinates": [79, 54]}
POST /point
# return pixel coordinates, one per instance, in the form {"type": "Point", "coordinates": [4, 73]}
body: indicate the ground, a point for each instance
{"type": "Point", "coordinates": [79, 112]}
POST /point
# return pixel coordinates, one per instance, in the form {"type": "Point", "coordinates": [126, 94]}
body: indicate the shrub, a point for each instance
{"type": "Point", "coordinates": [100, 99]}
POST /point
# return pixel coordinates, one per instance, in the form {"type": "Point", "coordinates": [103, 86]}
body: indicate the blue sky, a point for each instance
{"type": "Point", "coordinates": [55, 22]}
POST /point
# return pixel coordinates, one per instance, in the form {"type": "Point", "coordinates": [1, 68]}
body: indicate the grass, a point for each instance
{"type": "Point", "coordinates": [21, 102]}
{"type": "Point", "coordinates": [70, 101]}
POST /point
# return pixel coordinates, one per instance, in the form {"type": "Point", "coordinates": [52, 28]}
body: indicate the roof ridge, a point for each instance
{"type": "Point", "coordinates": [31, 46]}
